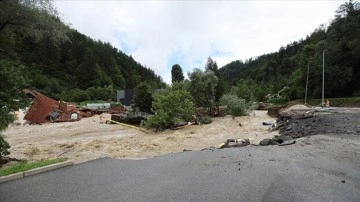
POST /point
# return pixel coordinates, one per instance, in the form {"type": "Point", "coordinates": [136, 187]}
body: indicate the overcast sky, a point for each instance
{"type": "Point", "coordinates": [159, 34]}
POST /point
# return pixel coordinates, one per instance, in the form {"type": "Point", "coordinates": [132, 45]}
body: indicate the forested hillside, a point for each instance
{"type": "Point", "coordinates": [61, 62]}
{"type": "Point", "coordinates": [270, 73]}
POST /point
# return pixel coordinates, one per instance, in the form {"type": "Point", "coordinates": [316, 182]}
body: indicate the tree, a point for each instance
{"type": "Point", "coordinates": [176, 74]}
{"type": "Point", "coordinates": [202, 88]}
{"type": "Point", "coordinates": [143, 97]}
{"type": "Point", "coordinates": [219, 89]}
{"type": "Point", "coordinates": [235, 106]}
{"type": "Point", "coordinates": [169, 107]}
{"type": "Point", "coordinates": [12, 80]}
{"type": "Point", "coordinates": [36, 19]}
{"type": "Point", "coordinates": [243, 90]}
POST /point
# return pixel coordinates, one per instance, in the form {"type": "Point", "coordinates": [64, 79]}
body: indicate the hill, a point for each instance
{"type": "Point", "coordinates": [61, 62]}
{"type": "Point", "coordinates": [270, 73]}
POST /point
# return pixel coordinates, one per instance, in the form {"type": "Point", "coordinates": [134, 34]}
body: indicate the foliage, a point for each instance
{"type": "Point", "coordinates": [204, 119]}
{"type": "Point", "coordinates": [21, 167]}
{"type": "Point", "coordinates": [243, 90]}
{"type": "Point", "coordinates": [219, 89]}
{"type": "Point", "coordinates": [272, 72]}
{"type": "Point", "coordinates": [4, 146]}
{"type": "Point", "coordinates": [169, 107]}
{"type": "Point", "coordinates": [181, 85]}
{"type": "Point", "coordinates": [12, 80]}
{"type": "Point", "coordinates": [235, 106]}
{"type": "Point", "coordinates": [75, 95]}
{"type": "Point", "coordinates": [203, 88]}
{"type": "Point", "coordinates": [65, 60]}
{"type": "Point", "coordinates": [143, 97]}
{"type": "Point", "coordinates": [105, 93]}
{"type": "Point", "coordinates": [35, 19]}
{"type": "Point", "coordinates": [176, 74]}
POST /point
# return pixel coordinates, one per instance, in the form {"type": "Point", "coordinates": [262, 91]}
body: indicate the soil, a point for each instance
{"type": "Point", "coordinates": [301, 122]}
{"type": "Point", "coordinates": [90, 138]}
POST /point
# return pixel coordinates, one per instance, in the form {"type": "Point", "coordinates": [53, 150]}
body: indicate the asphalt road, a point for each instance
{"type": "Point", "coordinates": [320, 168]}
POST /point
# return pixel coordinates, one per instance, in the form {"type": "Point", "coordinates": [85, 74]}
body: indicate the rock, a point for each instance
{"type": "Point", "coordinates": [265, 142]}
{"type": "Point", "coordinates": [287, 143]}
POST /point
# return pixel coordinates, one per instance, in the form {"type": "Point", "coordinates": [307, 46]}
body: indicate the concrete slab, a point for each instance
{"type": "Point", "coordinates": [47, 168]}
{"type": "Point", "coordinates": [11, 177]}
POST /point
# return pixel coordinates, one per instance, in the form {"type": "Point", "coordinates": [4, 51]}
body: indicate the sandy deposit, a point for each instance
{"type": "Point", "coordinates": [91, 138]}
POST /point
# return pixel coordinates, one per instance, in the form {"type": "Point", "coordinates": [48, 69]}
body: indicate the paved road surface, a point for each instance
{"type": "Point", "coordinates": [320, 168]}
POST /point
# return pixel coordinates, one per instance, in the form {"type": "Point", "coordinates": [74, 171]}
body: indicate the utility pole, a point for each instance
{"type": "Point", "coordinates": [323, 80]}
{"type": "Point", "coordinates": [307, 81]}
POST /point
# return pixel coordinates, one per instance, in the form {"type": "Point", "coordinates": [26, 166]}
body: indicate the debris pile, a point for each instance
{"type": "Point", "coordinates": [234, 143]}
{"type": "Point", "coordinates": [130, 117]}
{"type": "Point", "coordinates": [44, 109]}
{"type": "Point", "coordinates": [290, 128]}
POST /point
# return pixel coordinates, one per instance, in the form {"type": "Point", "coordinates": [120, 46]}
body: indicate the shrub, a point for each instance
{"type": "Point", "coordinates": [235, 106]}
{"type": "Point", "coordinates": [204, 119]}
{"type": "Point", "coordinates": [4, 146]}
{"type": "Point", "coordinates": [170, 106]}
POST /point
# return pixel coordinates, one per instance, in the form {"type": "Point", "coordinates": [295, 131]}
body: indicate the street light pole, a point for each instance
{"type": "Point", "coordinates": [307, 80]}
{"type": "Point", "coordinates": [323, 80]}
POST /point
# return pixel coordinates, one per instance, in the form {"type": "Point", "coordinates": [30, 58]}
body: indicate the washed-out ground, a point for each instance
{"type": "Point", "coordinates": [90, 138]}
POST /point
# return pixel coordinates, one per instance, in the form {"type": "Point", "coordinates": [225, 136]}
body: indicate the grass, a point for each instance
{"type": "Point", "coordinates": [27, 166]}
{"type": "Point", "coordinates": [336, 102]}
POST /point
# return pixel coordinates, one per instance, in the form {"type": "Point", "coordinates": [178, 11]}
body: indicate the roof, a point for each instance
{"type": "Point", "coordinates": [40, 108]}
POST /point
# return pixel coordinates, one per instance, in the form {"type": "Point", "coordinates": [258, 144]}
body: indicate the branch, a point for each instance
{"type": "Point", "coordinates": [10, 22]}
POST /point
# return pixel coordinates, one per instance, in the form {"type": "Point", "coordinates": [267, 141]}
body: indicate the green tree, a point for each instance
{"type": "Point", "coordinates": [176, 74]}
{"type": "Point", "coordinates": [143, 97]}
{"type": "Point", "coordinates": [99, 93]}
{"type": "Point", "coordinates": [181, 85]}
{"type": "Point", "coordinates": [169, 107]}
{"type": "Point", "coordinates": [203, 87]}
{"type": "Point", "coordinates": [243, 90]}
{"type": "Point", "coordinates": [75, 95]}
{"type": "Point", "coordinates": [35, 19]}
{"type": "Point", "coordinates": [12, 80]}
{"type": "Point", "coordinates": [219, 89]}
{"type": "Point", "coordinates": [235, 106]}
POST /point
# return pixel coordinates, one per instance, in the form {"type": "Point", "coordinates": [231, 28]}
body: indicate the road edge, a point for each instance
{"type": "Point", "coordinates": [35, 171]}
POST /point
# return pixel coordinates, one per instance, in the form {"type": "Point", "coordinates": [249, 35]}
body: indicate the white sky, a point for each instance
{"type": "Point", "coordinates": [159, 34]}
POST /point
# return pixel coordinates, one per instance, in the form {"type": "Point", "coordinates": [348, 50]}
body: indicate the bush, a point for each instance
{"type": "Point", "coordinates": [235, 106]}
{"type": "Point", "coordinates": [75, 95]}
{"type": "Point", "coordinates": [170, 106]}
{"type": "Point", "coordinates": [204, 119]}
{"type": "Point", "coordinates": [99, 93]}
{"type": "Point", "coordinates": [4, 146]}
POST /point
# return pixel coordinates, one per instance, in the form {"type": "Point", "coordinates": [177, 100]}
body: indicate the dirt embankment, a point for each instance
{"type": "Point", "coordinates": [91, 138]}
{"type": "Point", "coordinates": [302, 122]}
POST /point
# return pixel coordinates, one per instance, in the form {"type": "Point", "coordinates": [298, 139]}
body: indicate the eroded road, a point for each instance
{"type": "Point", "coordinates": [317, 168]}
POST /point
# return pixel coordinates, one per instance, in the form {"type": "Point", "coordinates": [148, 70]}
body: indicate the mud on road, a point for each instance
{"type": "Point", "coordinates": [333, 121]}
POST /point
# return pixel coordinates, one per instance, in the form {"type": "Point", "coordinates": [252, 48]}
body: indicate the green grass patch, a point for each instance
{"type": "Point", "coordinates": [27, 166]}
